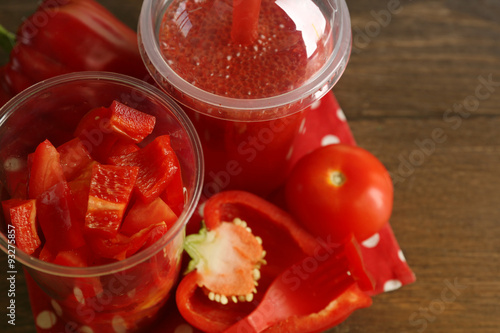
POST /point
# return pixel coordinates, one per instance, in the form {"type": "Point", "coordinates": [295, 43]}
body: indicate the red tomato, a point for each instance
{"type": "Point", "coordinates": [337, 190]}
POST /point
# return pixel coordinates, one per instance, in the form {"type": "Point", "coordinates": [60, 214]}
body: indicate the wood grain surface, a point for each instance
{"type": "Point", "coordinates": [422, 92]}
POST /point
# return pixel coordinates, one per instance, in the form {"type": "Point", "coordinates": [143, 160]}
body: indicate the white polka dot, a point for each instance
{"type": "Point", "coordinates": [119, 324]}
{"type": "Point", "coordinates": [46, 319]}
{"type": "Point", "coordinates": [401, 256]}
{"type": "Point", "coordinates": [13, 164]}
{"type": "Point", "coordinates": [183, 328]}
{"type": "Point", "coordinates": [200, 209]}
{"type": "Point", "coordinates": [85, 329]}
{"type": "Point", "coordinates": [302, 127]}
{"type": "Point", "coordinates": [316, 104]}
{"type": "Point", "coordinates": [392, 285]}
{"type": "Point", "coordinates": [372, 241]}
{"type": "Point", "coordinates": [57, 308]}
{"type": "Point", "coordinates": [79, 295]}
{"type": "Point", "coordinates": [341, 115]}
{"type": "Point", "coordinates": [330, 139]}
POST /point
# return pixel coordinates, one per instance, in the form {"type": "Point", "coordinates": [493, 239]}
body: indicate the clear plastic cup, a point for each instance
{"type": "Point", "coordinates": [122, 296]}
{"type": "Point", "coordinates": [247, 138]}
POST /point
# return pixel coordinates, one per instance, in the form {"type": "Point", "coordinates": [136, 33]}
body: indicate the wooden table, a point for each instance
{"type": "Point", "coordinates": [422, 92]}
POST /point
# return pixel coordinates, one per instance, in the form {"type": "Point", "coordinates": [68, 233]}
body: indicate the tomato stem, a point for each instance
{"type": "Point", "coordinates": [337, 178]}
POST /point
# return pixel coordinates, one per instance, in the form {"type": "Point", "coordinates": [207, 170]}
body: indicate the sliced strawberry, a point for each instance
{"type": "Point", "coordinates": [95, 132]}
{"type": "Point", "coordinates": [130, 123]}
{"type": "Point", "coordinates": [227, 260]}
{"type": "Point", "coordinates": [142, 215]}
{"type": "Point", "coordinates": [157, 164]}
{"type": "Point", "coordinates": [109, 194]}
{"type": "Point", "coordinates": [22, 215]}
{"type": "Point", "coordinates": [59, 219]}
{"type": "Point", "coordinates": [45, 169]}
{"type": "Point", "coordinates": [74, 157]}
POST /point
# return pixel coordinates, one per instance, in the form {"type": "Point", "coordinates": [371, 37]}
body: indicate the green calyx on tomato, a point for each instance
{"type": "Point", "coordinates": [338, 190]}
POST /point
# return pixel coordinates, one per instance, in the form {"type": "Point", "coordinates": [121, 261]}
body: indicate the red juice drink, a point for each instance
{"type": "Point", "coordinates": [246, 96]}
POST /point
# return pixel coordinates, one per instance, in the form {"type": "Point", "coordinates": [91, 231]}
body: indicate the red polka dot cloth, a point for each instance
{"type": "Point", "coordinates": [325, 124]}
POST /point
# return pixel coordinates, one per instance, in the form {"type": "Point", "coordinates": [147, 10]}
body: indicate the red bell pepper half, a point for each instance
{"type": "Point", "coordinates": [46, 45]}
{"type": "Point", "coordinates": [285, 243]}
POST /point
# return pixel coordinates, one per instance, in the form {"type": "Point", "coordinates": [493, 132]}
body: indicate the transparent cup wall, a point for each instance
{"type": "Point", "coordinates": [125, 295]}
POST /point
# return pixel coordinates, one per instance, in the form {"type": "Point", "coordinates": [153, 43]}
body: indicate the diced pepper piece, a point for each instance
{"type": "Point", "coordinates": [22, 216]}
{"type": "Point", "coordinates": [120, 246]}
{"type": "Point", "coordinates": [130, 123]}
{"type": "Point", "coordinates": [157, 164]}
{"type": "Point", "coordinates": [174, 193]}
{"type": "Point", "coordinates": [109, 194]}
{"type": "Point", "coordinates": [45, 169]}
{"type": "Point", "coordinates": [95, 132]}
{"type": "Point", "coordinates": [59, 220]}
{"type": "Point", "coordinates": [120, 148]}
{"type": "Point", "coordinates": [80, 257]}
{"type": "Point", "coordinates": [141, 215]}
{"type": "Point", "coordinates": [74, 157]}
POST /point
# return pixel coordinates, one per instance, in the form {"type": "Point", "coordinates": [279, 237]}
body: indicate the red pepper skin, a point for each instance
{"type": "Point", "coordinates": [285, 243]}
{"type": "Point", "coordinates": [65, 36]}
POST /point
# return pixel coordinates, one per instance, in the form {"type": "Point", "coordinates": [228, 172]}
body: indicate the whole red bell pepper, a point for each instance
{"type": "Point", "coordinates": [284, 242]}
{"type": "Point", "coordinates": [65, 36]}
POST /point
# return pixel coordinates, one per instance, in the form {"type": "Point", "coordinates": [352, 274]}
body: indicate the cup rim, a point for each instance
{"type": "Point", "coordinates": [183, 218]}
{"type": "Point", "coordinates": [326, 77]}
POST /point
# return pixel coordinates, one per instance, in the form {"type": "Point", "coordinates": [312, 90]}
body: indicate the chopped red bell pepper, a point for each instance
{"type": "Point", "coordinates": [59, 220]}
{"type": "Point", "coordinates": [74, 157]}
{"type": "Point", "coordinates": [21, 214]}
{"type": "Point", "coordinates": [78, 257]}
{"type": "Point", "coordinates": [95, 133]}
{"type": "Point", "coordinates": [109, 194]}
{"type": "Point", "coordinates": [141, 215]}
{"type": "Point", "coordinates": [45, 169]}
{"type": "Point", "coordinates": [130, 123]}
{"type": "Point", "coordinates": [45, 50]}
{"type": "Point", "coordinates": [174, 192]}
{"type": "Point", "coordinates": [285, 243]}
{"type": "Point", "coordinates": [157, 164]}
{"type": "Point", "coordinates": [120, 246]}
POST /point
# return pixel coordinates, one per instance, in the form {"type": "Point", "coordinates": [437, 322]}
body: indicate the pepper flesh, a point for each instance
{"type": "Point", "coordinates": [285, 244]}
{"type": "Point", "coordinates": [104, 43]}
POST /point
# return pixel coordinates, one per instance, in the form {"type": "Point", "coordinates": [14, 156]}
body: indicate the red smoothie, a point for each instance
{"type": "Point", "coordinates": [248, 151]}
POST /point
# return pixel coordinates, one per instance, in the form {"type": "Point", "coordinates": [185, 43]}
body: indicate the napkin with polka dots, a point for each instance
{"type": "Point", "coordinates": [384, 259]}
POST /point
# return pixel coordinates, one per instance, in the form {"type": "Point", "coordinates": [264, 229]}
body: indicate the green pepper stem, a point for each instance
{"type": "Point", "coordinates": [7, 39]}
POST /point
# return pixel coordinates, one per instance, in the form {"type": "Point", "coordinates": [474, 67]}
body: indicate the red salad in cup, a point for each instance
{"type": "Point", "coordinates": [100, 197]}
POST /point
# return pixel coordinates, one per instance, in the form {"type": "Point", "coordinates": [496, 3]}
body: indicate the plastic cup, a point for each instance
{"type": "Point", "coordinates": [122, 296]}
{"type": "Point", "coordinates": [247, 140]}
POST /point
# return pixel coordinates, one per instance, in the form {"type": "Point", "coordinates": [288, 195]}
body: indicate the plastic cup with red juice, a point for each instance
{"type": "Point", "coordinates": [121, 290]}
{"type": "Point", "coordinates": [246, 73]}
